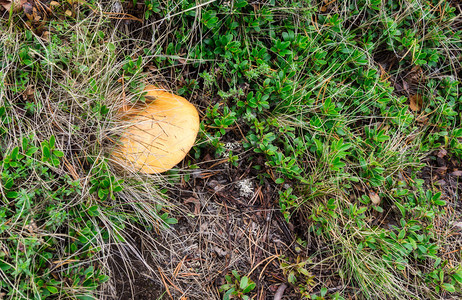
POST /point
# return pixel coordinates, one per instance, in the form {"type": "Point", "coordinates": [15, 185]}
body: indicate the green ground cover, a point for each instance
{"type": "Point", "coordinates": [343, 106]}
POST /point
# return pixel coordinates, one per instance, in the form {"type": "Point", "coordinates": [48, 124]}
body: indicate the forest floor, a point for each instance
{"type": "Point", "coordinates": [328, 162]}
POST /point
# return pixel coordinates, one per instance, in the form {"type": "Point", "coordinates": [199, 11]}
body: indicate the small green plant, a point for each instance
{"type": "Point", "coordinates": [220, 118]}
{"type": "Point", "coordinates": [49, 153]}
{"type": "Point", "coordinates": [151, 7]}
{"type": "Point", "coordinates": [297, 275]}
{"type": "Point", "coordinates": [287, 202]}
{"type": "Point", "coordinates": [103, 182]}
{"type": "Point", "coordinates": [237, 286]}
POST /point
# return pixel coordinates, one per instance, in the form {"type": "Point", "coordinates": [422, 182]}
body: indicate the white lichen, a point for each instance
{"type": "Point", "coordinates": [229, 147]}
{"type": "Point", "coordinates": [245, 188]}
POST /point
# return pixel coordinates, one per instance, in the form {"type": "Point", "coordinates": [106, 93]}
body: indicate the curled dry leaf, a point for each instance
{"type": "Point", "coordinates": [16, 5]}
{"type": "Point", "coordinates": [405, 86]}
{"type": "Point", "coordinates": [441, 182]}
{"type": "Point", "coordinates": [457, 173]}
{"type": "Point", "coordinates": [442, 170]}
{"type": "Point", "coordinates": [220, 251]}
{"type": "Point", "coordinates": [442, 153]}
{"type": "Point", "coordinates": [29, 92]}
{"type": "Point", "coordinates": [457, 225]}
{"type": "Point", "coordinates": [196, 202]}
{"type": "Point", "coordinates": [415, 102]}
{"type": "Point", "coordinates": [375, 198]}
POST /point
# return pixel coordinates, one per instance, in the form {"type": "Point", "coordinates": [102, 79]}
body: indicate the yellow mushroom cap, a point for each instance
{"type": "Point", "coordinates": [159, 136]}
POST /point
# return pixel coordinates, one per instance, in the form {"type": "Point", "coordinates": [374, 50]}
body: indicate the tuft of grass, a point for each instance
{"type": "Point", "coordinates": [65, 206]}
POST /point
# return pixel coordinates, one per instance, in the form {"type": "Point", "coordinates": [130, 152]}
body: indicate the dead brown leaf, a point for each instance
{"type": "Point", "coordinates": [29, 93]}
{"type": "Point", "coordinates": [442, 153]}
{"type": "Point", "coordinates": [45, 36]}
{"type": "Point", "coordinates": [405, 86]}
{"type": "Point", "coordinates": [15, 4]}
{"type": "Point", "coordinates": [415, 75]}
{"type": "Point", "coordinates": [196, 202]}
{"type": "Point", "coordinates": [441, 182]}
{"type": "Point", "coordinates": [442, 170]}
{"type": "Point", "coordinates": [415, 102]}
{"type": "Point", "coordinates": [423, 120]}
{"type": "Point", "coordinates": [458, 225]}
{"type": "Point", "coordinates": [375, 198]}
{"type": "Point", "coordinates": [457, 173]}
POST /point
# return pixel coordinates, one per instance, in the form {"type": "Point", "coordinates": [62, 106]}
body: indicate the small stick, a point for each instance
{"type": "Point", "coordinates": [124, 100]}
{"type": "Point", "coordinates": [165, 283]}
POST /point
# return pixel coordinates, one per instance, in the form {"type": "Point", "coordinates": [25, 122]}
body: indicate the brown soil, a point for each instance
{"type": "Point", "coordinates": [133, 278]}
{"type": "Point", "coordinates": [223, 229]}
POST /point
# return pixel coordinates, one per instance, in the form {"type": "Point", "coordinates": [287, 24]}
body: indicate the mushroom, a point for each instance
{"type": "Point", "coordinates": [160, 135]}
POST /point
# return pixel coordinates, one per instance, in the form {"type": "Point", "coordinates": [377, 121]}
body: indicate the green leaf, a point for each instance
{"type": "Point", "coordinates": [45, 152]}
{"type": "Point", "coordinates": [93, 211]}
{"type": "Point", "coordinates": [117, 188]}
{"type": "Point", "coordinates": [239, 4]}
{"type": "Point", "coordinates": [457, 133]}
{"type": "Point", "coordinates": [378, 209]}
{"type": "Point", "coordinates": [12, 195]}
{"type": "Point", "coordinates": [228, 279]}
{"type": "Point", "coordinates": [448, 287]}
{"type": "Point", "coordinates": [103, 278]}
{"type": "Point", "coordinates": [111, 47]}
{"type": "Point", "coordinates": [58, 153]}
{"type": "Point", "coordinates": [436, 197]}
{"type": "Point", "coordinates": [291, 278]}
{"type": "Point", "coordinates": [440, 202]}
{"type": "Point", "coordinates": [31, 151]}
{"type": "Point", "coordinates": [228, 293]}
{"type": "Point", "coordinates": [52, 289]}
{"type": "Point", "coordinates": [55, 162]}
{"type": "Point", "coordinates": [28, 62]}
{"type": "Point", "coordinates": [244, 282]}
{"type": "Point", "coordinates": [52, 142]}
{"type": "Point", "coordinates": [401, 209]}
{"type": "Point", "coordinates": [9, 183]}
{"type": "Point", "coordinates": [304, 272]}
{"type": "Point", "coordinates": [171, 221]}
{"type": "Point", "coordinates": [4, 266]}
{"type": "Point", "coordinates": [225, 287]}
{"type": "Point", "coordinates": [14, 153]}
{"type": "Point", "coordinates": [457, 276]}
{"type": "Point", "coordinates": [85, 297]}
{"type": "Point", "coordinates": [279, 180]}
{"type": "Point", "coordinates": [249, 288]}
{"type": "Point", "coordinates": [236, 274]}
{"type": "Point", "coordinates": [102, 193]}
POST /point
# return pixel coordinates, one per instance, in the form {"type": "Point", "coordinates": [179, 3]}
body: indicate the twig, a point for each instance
{"type": "Point", "coordinates": [165, 283]}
